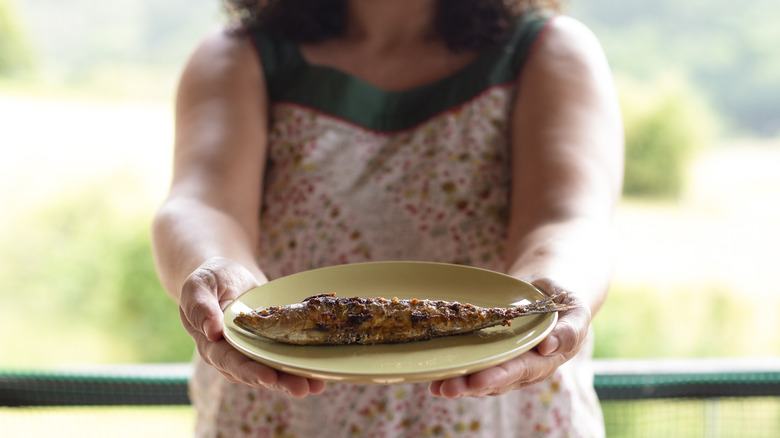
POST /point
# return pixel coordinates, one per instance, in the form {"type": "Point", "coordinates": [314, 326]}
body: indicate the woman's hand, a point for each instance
{"type": "Point", "coordinates": [204, 295]}
{"type": "Point", "coordinates": [531, 367]}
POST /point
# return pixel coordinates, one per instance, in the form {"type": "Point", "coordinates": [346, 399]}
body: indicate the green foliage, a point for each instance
{"type": "Point", "coordinates": [642, 322]}
{"type": "Point", "coordinates": [729, 49]}
{"type": "Point", "coordinates": [121, 47]}
{"type": "Point", "coordinates": [84, 264]}
{"type": "Point", "coordinates": [664, 125]}
{"type": "Point", "coordinates": [145, 316]}
{"type": "Point", "coordinates": [15, 54]}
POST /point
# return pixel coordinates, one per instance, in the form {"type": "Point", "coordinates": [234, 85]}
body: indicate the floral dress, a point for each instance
{"type": "Point", "coordinates": [358, 174]}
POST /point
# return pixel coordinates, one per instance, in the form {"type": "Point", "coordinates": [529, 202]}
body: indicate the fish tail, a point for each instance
{"type": "Point", "coordinates": [545, 305]}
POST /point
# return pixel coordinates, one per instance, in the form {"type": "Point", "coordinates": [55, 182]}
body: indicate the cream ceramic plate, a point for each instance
{"type": "Point", "coordinates": [395, 363]}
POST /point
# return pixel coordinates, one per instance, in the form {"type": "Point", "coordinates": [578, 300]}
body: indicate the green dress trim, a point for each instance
{"type": "Point", "coordinates": [291, 79]}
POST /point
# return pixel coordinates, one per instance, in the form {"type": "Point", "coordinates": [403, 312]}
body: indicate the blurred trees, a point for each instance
{"type": "Point", "coordinates": [80, 274]}
{"type": "Point", "coordinates": [133, 44]}
{"type": "Point", "coordinates": [15, 55]}
{"type": "Point", "coordinates": [724, 59]}
{"type": "Point", "coordinates": [665, 123]}
{"type": "Point", "coordinates": [728, 49]}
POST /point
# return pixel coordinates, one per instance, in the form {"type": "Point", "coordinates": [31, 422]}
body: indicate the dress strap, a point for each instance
{"type": "Point", "coordinates": [277, 55]}
{"type": "Point", "coordinates": [528, 31]}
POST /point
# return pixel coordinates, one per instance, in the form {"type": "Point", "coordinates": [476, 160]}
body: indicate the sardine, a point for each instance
{"type": "Point", "coordinates": [329, 320]}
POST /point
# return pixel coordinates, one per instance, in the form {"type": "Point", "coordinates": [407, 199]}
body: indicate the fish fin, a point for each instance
{"type": "Point", "coordinates": [319, 296]}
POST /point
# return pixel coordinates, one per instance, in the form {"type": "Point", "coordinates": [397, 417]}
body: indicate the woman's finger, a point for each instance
{"type": "Point", "coordinates": [523, 371]}
{"type": "Point", "coordinates": [316, 386]}
{"type": "Point", "coordinates": [200, 304]}
{"type": "Point", "coordinates": [209, 289]}
{"type": "Point", "coordinates": [205, 293]}
{"type": "Point", "coordinates": [573, 324]}
{"type": "Point", "coordinates": [237, 368]}
{"type": "Point", "coordinates": [227, 360]}
{"type": "Point", "coordinates": [449, 388]}
{"type": "Point", "coordinates": [531, 367]}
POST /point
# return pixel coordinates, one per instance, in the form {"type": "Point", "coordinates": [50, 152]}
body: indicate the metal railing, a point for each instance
{"type": "Point", "coordinates": [108, 385]}
{"type": "Point", "coordinates": [640, 398]}
{"type": "Point", "coordinates": [688, 378]}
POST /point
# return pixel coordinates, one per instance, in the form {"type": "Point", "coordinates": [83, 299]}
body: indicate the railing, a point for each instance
{"type": "Point", "coordinates": [640, 398]}
{"type": "Point", "coordinates": [132, 385]}
{"type": "Point", "coordinates": [704, 398]}
{"type": "Point", "coordinates": [698, 378]}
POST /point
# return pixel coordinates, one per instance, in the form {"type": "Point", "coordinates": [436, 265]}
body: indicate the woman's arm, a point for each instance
{"type": "Point", "coordinates": [567, 164]}
{"type": "Point", "coordinates": [205, 233]}
{"type": "Point", "coordinates": [567, 161]}
{"type": "Point", "coordinates": [214, 200]}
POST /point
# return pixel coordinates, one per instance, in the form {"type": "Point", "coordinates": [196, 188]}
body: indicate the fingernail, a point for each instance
{"type": "Point", "coordinates": [552, 346]}
{"type": "Point", "coordinates": [208, 330]}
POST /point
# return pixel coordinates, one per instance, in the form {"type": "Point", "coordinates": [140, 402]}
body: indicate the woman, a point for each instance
{"type": "Point", "coordinates": [327, 132]}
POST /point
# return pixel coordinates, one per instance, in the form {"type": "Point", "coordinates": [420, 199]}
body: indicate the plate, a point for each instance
{"type": "Point", "coordinates": [434, 359]}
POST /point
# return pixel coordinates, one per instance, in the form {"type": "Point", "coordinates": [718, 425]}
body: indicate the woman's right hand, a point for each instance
{"type": "Point", "coordinates": [204, 296]}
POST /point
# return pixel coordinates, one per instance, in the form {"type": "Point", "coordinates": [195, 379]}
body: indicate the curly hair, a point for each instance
{"type": "Point", "coordinates": [462, 24]}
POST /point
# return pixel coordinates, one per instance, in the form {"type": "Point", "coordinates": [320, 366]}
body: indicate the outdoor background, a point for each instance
{"type": "Point", "coordinates": [86, 91]}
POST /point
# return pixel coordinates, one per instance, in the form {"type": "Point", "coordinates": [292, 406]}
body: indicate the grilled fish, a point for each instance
{"type": "Point", "coordinates": [327, 320]}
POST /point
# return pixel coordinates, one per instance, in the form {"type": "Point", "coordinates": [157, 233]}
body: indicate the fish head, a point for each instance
{"type": "Point", "coordinates": [286, 323]}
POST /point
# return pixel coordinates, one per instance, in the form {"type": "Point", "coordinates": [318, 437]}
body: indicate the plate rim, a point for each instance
{"type": "Point", "coordinates": [230, 334]}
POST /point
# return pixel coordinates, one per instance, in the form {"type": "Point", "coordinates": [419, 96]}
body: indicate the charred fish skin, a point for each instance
{"type": "Point", "coordinates": [329, 320]}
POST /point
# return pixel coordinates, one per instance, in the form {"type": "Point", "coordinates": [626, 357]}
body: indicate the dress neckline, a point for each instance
{"type": "Point", "coordinates": [291, 79]}
{"type": "Point", "coordinates": [444, 81]}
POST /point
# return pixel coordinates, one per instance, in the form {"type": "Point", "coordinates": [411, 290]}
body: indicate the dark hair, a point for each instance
{"type": "Point", "coordinates": [463, 24]}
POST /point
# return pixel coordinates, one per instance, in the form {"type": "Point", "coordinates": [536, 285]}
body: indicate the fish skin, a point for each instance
{"type": "Point", "coordinates": [329, 320]}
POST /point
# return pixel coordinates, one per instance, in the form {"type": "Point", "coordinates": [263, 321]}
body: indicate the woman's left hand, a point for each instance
{"type": "Point", "coordinates": [531, 367]}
